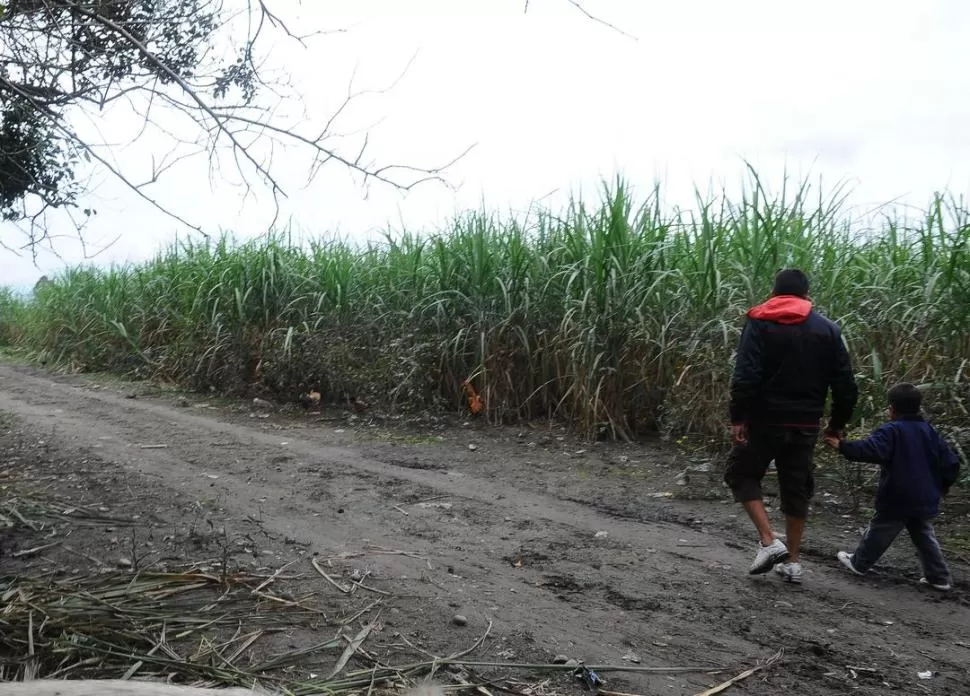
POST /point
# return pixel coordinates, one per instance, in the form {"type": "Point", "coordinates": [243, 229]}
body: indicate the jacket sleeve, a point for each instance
{"type": "Point", "coordinates": [875, 449]}
{"type": "Point", "coordinates": [949, 465]}
{"type": "Point", "coordinates": [746, 382]}
{"type": "Point", "coordinates": [845, 391]}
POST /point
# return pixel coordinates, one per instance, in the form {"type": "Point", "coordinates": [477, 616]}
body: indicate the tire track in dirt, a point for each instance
{"type": "Point", "coordinates": [675, 594]}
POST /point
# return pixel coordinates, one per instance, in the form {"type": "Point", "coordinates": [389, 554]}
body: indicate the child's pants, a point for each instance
{"type": "Point", "coordinates": [880, 536]}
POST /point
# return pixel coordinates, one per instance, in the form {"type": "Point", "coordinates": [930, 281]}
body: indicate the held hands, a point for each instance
{"type": "Point", "coordinates": [832, 437]}
{"type": "Point", "coordinates": [739, 434]}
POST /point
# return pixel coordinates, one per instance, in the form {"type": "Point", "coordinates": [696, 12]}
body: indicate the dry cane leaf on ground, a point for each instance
{"type": "Point", "coordinates": [195, 627]}
{"type": "Point", "coordinates": [724, 686]}
{"type": "Point", "coordinates": [200, 628]}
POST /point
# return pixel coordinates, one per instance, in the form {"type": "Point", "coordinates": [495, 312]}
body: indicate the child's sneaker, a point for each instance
{"type": "Point", "coordinates": [790, 572]}
{"type": "Point", "coordinates": [845, 558]}
{"type": "Point", "coordinates": [941, 586]}
{"type": "Point", "coordinates": [768, 556]}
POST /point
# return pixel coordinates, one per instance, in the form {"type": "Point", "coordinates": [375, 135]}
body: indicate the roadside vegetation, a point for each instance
{"type": "Point", "coordinates": [619, 316]}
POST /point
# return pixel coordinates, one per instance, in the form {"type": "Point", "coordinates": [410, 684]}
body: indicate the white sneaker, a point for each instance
{"type": "Point", "coordinates": [845, 558]}
{"type": "Point", "coordinates": [942, 587]}
{"type": "Point", "coordinates": [790, 572]}
{"type": "Point", "coordinates": [768, 556]}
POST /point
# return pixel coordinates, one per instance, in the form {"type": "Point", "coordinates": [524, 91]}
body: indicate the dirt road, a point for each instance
{"type": "Point", "coordinates": [567, 548]}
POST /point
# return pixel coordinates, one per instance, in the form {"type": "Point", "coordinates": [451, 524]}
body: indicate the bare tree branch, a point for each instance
{"type": "Point", "coordinates": [579, 6]}
{"type": "Point", "coordinates": [192, 71]}
{"type": "Point", "coordinates": [160, 58]}
{"type": "Point", "coordinates": [589, 15]}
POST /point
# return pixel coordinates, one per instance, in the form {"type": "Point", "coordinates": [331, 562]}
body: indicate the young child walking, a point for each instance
{"type": "Point", "coordinates": [918, 468]}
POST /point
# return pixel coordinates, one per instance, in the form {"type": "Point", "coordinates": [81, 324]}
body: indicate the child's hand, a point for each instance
{"type": "Point", "coordinates": [832, 441]}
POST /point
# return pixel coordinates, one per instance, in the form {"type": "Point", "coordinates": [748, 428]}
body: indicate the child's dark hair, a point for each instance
{"type": "Point", "coordinates": [791, 281]}
{"type": "Point", "coordinates": [906, 399]}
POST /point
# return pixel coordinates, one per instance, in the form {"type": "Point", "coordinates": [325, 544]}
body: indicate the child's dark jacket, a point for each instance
{"type": "Point", "coordinates": [918, 467]}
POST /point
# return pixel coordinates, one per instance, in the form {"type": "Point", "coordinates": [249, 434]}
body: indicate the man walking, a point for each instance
{"type": "Point", "coordinates": [788, 358]}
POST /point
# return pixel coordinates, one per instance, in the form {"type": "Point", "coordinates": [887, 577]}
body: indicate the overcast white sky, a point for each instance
{"type": "Point", "coordinates": [876, 93]}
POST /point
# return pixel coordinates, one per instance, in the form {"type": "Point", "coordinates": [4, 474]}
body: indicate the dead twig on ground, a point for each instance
{"type": "Point", "coordinates": [368, 608]}
{"type": "Point", "coordinates": [709, 669]}
{"type": "Point", "coordinates": [724, 686]}
{"type": "Point", "coordinates": [351, 648]}
{"type": "Point", "coordinates": [35, 550]}
{"type": "Point", "coordinates": [361, 585]}
{"type": "Point", "coordinates": [272, 578]}
{"type": "Point", "coordinates": [328, 578]}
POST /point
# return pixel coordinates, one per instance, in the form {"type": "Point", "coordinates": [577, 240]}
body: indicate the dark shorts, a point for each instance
{"type": "Point", "coordinates": [792, 450]}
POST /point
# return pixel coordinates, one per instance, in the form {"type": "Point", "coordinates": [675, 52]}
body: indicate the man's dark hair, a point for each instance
{"type": "Point", "coordinates": [791, 281]}
{"type": "Point", "coordinates": [906, 399]}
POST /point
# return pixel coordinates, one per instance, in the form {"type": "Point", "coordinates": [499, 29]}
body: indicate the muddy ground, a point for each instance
{"type": "Point", "coordinates": [604, 553]}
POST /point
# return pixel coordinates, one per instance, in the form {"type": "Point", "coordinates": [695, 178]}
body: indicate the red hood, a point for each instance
{"type": "Point", "coordinates": [783, 309]}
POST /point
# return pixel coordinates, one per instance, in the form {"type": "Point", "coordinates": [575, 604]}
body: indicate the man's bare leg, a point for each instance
{"type": "Point", "coordinates": [756, 511]}
{"type": "Point", "coordinates": [794, 528]}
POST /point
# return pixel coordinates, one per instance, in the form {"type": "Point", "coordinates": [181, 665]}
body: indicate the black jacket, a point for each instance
{"type": "Point", "coordinates": [918, 467]}
{"type": "Point", "coordinates": [788, 359]}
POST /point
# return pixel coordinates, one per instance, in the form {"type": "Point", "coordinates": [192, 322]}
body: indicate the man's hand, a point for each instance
{"type": "Point", "coordinates": [832, 440]}
{"type": "Point", "coordinates": [834, 432]}
{"type": "Point", "coordinates": [739, 434]}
